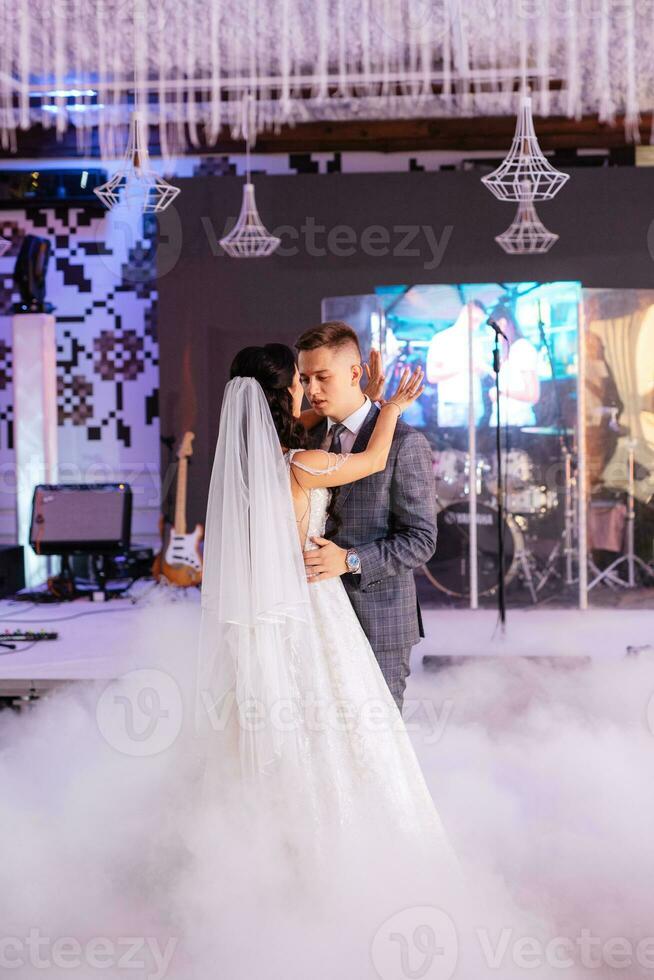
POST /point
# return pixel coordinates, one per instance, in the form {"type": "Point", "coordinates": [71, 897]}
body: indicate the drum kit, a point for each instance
{"type": "Point", "coordinates": [540, 505]}
{"type": "Point", "coordinates": [523, 493]}
{"type": "Point", "coordinates": [528, 506]}
{"type": "Point", "coordinates": [540, 523]}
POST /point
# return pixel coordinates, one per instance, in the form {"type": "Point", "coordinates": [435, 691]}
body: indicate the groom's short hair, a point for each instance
{"type": "Point", "coordinates": [333, 333]}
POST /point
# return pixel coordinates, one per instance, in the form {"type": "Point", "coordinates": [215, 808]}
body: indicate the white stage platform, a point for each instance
{"type": "Point", "coordinates": [596, 632]}
{"type": "Point", "coordinates": [103, 640]}
{"type": "Point", "coordinates": [96, 639]}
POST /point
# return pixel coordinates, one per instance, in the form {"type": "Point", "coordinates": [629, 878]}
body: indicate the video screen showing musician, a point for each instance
{"type": "Point", "coordinates": [447, 367]}
{"type": "Point", "coordinates": [432, 325]}
{"type": "Point", "coordinates": [447, 330]}
{"type": "Point", "coordinates": [518, 375]}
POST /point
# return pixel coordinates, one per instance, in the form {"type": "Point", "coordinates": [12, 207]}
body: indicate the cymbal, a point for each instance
{"type": "Point", "coordinates": [548, 430]}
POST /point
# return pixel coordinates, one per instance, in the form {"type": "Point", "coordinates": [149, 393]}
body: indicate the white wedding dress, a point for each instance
{"type": "Point", "coordinates": [370, 752]}
{"type": "Point", "coordinates": [321, 824]}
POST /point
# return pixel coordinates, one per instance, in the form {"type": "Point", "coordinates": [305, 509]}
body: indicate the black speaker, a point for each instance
{"type": "Point", "coordinates": [12, 569]}
{"type": "Point", "coordinates": [29, 275]}
{"type": "Point", "coordinates": [95, 518]}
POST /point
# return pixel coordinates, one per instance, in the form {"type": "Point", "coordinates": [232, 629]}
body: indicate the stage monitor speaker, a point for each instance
{"type": "Point", "coordinates": [30, 275]}
{"type": "Point", "coordinates": [12, 569]}
{"type": "Point", "coordinates": [69, 518]}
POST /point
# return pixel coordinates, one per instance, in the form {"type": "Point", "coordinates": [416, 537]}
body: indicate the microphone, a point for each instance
{"type": "Point", "coordinates": [497, 328]}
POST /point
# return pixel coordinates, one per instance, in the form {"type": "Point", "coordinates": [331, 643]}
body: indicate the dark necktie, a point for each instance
{"type": "Point", "coordinates": [337, 431]}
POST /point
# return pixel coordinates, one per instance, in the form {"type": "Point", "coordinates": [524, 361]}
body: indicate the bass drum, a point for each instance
{"type": "Point", "coordinates": [449, 569]}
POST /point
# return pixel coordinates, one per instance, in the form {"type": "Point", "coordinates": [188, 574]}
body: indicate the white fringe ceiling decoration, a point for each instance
{"type": "Point", "coordinates": [190, 61]}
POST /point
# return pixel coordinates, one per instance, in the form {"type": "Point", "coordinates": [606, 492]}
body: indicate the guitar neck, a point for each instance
{"type": "Point", "coordinates": [180, 497]}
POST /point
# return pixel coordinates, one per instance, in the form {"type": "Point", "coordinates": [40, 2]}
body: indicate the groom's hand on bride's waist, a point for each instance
{"type": "Point", "coordinates": [327, 561]}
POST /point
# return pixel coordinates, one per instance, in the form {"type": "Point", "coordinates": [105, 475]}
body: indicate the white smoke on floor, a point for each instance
{"type": "Point", "coordinates": [542, 776]}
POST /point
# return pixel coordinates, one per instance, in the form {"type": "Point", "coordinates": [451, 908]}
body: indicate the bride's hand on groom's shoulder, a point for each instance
{"type": "Point", "coordinates": [376, 380]}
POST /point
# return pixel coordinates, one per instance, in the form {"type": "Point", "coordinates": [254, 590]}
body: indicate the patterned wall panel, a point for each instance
{"type": "Point", "coordinates": [101, 281]}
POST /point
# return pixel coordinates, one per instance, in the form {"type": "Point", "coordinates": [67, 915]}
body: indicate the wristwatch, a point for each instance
{"type": "Point", "coordinates": [352, 561]}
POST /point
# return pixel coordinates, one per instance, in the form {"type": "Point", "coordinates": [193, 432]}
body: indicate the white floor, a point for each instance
{"type": "Point", "coordinates": [541, 776]}
{"type": "Point", "coordinates": [536, 632]}
{"type": "Point", "coordinates": [96, 640]}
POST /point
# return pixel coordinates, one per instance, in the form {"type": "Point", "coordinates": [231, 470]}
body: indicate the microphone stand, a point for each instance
{"type": "Point", "coordinates": [501, 602]}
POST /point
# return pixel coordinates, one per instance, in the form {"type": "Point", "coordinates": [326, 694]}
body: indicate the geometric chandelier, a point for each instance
{"type": "Point", "coordinates": [525, 162]}
{"type": "Point", "coordinates": [526, 235]}
{"type": "Point", "coordinates": [249, 239]}
{"type": "Point", "coordinates": [135, 181]}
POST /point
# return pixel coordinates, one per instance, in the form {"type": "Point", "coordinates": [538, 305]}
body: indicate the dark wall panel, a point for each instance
{"type": "Point", "coordinates": [211, 305]}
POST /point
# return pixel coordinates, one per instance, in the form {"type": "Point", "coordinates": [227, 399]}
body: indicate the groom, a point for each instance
{"type": "Point", "coordinates": [387, 521]}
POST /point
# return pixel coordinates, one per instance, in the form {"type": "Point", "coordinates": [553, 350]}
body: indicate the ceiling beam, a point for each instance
{"type": "Point", "coordinates": [482, 133]}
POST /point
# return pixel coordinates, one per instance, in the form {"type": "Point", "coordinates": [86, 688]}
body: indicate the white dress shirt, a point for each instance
{"type": "Point", "coordinates": [352, 425]}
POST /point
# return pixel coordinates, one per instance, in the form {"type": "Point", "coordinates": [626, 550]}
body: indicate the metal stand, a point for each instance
{"type": "Point", "coordinates": [501, 602]}
{"type": "Point", "coordinates": [63, 586]}
{"type": "Point", "coordinates": [523, 557]}
{"type": "Point", "coordinates": [565, 545]}
{"type": "Point", "coordinates": [608, 574]}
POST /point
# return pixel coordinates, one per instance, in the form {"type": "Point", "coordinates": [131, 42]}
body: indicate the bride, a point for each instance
{"type": "Point", "coordinates": [305, 753]}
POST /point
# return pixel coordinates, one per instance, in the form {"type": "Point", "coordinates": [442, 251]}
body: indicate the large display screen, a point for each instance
{"type": "Point", "coordinates": [432, 325]}
{"type": "Point", "coordinates": [448, 330]}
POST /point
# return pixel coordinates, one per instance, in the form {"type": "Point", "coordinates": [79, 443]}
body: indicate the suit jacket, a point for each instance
{"type": "Point", "coordinates": [390, 518]}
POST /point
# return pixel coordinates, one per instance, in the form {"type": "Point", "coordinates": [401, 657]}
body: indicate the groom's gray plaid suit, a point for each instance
{"type": "Point", "coordinates": [390, 518]}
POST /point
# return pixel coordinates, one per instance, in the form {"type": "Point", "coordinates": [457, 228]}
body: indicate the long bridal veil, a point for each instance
{"type": "Point", "coordinates": [254, 593]}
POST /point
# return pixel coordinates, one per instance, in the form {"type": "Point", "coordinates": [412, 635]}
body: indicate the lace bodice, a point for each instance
{"type": "Point", "coordinates": [318, 504]}
{"type": "Point", "coordinates": [315, 519]}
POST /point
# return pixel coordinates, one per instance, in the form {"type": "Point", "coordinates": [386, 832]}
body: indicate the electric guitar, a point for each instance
{"type": "Point", "coordinates": [181, 562]}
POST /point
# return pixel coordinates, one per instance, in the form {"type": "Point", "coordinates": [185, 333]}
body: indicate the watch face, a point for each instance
{"type": "Point", "coordinates": [352, 562]}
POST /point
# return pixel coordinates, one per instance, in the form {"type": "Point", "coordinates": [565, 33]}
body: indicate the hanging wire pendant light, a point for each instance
{"type": "Point", "coordinates": [526, 235]}
{"type": "Point", "coordinates": [525, 161]}
{"type": "Point", "coordinates": [4, 245]}
{"type": "Point", "coordinates": [249, 238]}
{"type": "Point", "coordinates": [135, 182]}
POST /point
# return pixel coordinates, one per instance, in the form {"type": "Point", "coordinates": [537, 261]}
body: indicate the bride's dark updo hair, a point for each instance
{"type": "Point", "coordinates": [273, 366]}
